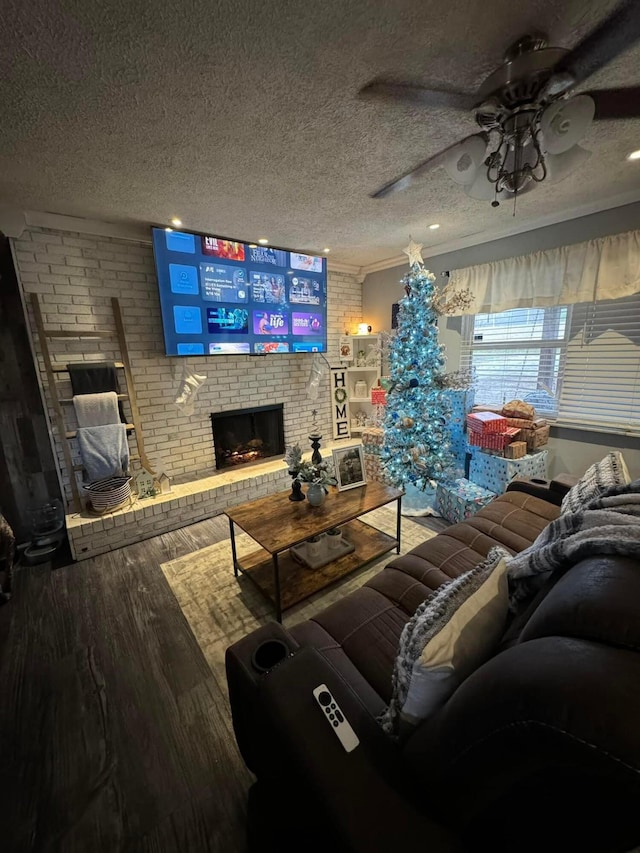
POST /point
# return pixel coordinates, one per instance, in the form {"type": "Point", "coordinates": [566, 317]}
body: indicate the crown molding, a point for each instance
{"type": "Point", "coordinates": [395, 261]}
{"type": "Point", "coordinates": [12, 221]}
{"type": "Point", "coordinates": [489, 237]}
{"type": "Point", "coordinates": [350, 269]}
{"type": "Point", "coordinates": [81, 225]}
{"type": "Point", "coordinates": [127, 231]}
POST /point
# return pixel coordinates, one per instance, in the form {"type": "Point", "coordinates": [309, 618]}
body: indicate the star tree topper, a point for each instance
{"type": "Point", "coordinates": [414, 253]}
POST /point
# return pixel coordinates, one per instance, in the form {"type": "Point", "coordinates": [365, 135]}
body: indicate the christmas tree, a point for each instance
{"type": "Point", "coordinates": [416, 438]}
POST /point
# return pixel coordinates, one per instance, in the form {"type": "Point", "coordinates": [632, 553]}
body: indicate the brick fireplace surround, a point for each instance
{"type": "Point", "coordinates": [75, 275]}
{"type": "Point", "coordinates": [187, 503]}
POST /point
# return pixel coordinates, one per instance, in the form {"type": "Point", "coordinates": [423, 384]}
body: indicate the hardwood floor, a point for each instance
{"type": "Point", "coordinates": [114, 735]}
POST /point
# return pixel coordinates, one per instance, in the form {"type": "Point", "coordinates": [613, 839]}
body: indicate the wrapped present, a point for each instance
{"type": "Point", "coordinates": [493, 440]}
{"type": "Point", "coordinates": [526, 423]}
{"type": "Point", "coordinates": [516, 450]}
{"type": "Point", "coordinates": [495, 472]}
{"type": "Point", "coordinates": [461, 499]}
{"type": "Point", "coordinates": [518, 409]}
{"type": "Point", "coordinates": [373, 468]}
{"type": "Point", "coordinates": [372, 443]}
{"type": "Point", "coordinates": [372, 440]}
{"type": "Point", "coordinates": [486, 422]}
{"type": "Point", "coordinates": [478, 407]}
{"type": "Point", "coordinates": [458, 402]}
{"type": "Point", "coordinates": [378, 396]}
{"type": "Point", "coordinates": [536, 437]}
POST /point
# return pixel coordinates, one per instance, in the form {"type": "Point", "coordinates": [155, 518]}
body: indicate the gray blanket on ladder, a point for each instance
{"type": "Point", "coordinates": [610, 524]}
{"type": "Point", "coordinates": [104, 450]}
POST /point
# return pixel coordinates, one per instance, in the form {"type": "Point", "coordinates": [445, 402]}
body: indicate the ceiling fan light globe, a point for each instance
{"type": "Point", "coordinates": [560, 166]}
{"type": "Point", "coordinates": [463, 160]}
{"type": "Point", "coordinates": [564, 123]}
{"type": "Point", "coordinates": [481, 188]}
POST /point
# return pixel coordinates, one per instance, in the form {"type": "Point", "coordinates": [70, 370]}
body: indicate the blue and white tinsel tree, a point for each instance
{"type": "Point", "coordinates": [416, 439]}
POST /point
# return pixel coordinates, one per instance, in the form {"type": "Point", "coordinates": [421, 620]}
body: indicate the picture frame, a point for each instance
{"type": "Point", "coordinates": [348, 463]}
{"type": "Point", "coordinates": [346, 348]}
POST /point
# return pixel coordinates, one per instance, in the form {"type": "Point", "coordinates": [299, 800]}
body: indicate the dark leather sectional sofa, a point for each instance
{"type": "Point", "coordinates": [539, 750]}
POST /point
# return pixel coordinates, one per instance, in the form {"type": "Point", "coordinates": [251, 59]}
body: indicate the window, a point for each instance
{"type": "Point", "coordinates": [517, 354]}
{"type": "Point", "coordinates": [579, 364]}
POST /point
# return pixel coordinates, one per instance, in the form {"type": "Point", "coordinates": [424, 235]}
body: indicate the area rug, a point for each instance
{"type": "Point", "coordinates": [221, 608]}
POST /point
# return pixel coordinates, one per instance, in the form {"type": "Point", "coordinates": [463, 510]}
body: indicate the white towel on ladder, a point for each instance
{"type": "Point", "coordinates": [96, 409]}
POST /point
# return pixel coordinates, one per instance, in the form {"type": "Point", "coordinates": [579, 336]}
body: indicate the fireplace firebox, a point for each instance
{"type": "Point", "coordinates": [246, 435]}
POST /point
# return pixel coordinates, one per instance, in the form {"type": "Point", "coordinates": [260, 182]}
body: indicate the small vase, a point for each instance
{"type": "Point", "coordinates": [316, 494]}
{"type": "Point", "coordinates": [334, 539]}
{"type": "Point", "coordinates": [314, 548]}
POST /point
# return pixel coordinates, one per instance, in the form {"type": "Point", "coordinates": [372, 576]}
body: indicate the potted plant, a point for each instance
{"type": "Point", "coordinates": [334, 538]}
{"type": "Point", "coordinates": [319, 477]}
{"type": "Point", "coordinates": [314, 547]}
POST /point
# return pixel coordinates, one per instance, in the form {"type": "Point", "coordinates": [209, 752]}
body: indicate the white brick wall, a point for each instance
{"type": "Point", "coordinates": [76, 275]}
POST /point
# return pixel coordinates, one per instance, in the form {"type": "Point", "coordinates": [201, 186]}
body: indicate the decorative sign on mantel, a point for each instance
{"type": "Point", "coordinates": [340, 403]}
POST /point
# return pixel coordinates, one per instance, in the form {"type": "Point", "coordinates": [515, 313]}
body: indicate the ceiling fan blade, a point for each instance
{"type": "Point", "coordinates": [616, 103]}
{"type": "Point", "coordinates": [617, 33]}
{"type": "Point", "coordinates": [409, 93]}
{"type": "Point", "coordinates": [412, 176]}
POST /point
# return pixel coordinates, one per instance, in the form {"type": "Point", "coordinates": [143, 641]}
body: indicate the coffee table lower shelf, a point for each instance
{"type": "Point", "coordinates": [298, 582]}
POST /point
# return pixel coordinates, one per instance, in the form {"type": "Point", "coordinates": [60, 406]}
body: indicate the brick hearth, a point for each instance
{"type": "Point", "coordinates": [187, 503]}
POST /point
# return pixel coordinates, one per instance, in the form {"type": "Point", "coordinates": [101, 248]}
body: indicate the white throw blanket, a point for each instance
{"type": "Point", "coordinates": [609, 524]}
{"type": "Point", "coordinates": [96, 409]}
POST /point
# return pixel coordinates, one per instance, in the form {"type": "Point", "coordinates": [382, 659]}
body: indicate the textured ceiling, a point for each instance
{"type": "Point", "coordinates": [242, 117]}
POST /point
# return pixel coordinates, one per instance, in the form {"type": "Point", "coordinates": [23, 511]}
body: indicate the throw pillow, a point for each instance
{"type": "Point", "coordinates": [448, 637]}
{"type": "Point", "coordinates": [606, 474]}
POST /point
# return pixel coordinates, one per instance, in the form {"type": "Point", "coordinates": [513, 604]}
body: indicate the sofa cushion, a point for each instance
{"type": "Point", "coordinates": [448, 637]}
{"type": "Point", "coordinates": [596, 600]}
{"type": "Point", "coordinates": [513, 520]}
{"type": "Point", "coordinates": [359, 634]}
{"type": "Point", "coordinates": [609, 472]}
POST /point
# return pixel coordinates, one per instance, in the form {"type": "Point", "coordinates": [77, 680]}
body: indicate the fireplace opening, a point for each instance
{"type": "Point", "coordinates": [246, 435]}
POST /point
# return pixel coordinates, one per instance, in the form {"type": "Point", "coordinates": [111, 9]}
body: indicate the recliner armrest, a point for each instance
{"type": "Point", "coordinates": [552, 491]}
{"type": "Point", "coordinates": [561, 483]}
{"type": "Point", "coordinates": [359, 792]}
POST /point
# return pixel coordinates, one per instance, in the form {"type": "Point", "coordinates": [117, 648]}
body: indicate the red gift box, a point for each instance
{"type": "Point", "coordinates": [486, 422]}
{"type": "Point", "coordinates": [494, 440]}
{"type": "Point", "coordinates": [379, 396]}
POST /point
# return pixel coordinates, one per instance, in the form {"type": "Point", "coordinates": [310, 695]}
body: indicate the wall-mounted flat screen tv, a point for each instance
{"type": "Point", "coordinates": [224, 297]}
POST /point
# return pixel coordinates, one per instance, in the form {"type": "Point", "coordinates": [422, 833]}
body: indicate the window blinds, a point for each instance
{"type": "Point", "coordinates": [579, 364]}
{"type": "Point", "coordinates": [516, 354]}
{"type": "Point", "coordinates": [601, 378]}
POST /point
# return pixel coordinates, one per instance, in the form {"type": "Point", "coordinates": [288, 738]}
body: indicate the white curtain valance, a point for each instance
{"type": "Point", "coordinates": [605, 268]}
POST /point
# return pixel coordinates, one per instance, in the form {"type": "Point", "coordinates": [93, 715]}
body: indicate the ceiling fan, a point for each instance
{"type": "Point", "coordinates": [530, 121]}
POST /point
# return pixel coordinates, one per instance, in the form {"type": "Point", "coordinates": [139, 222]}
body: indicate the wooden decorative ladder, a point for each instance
{"type": "Point", "coordinates": [53, 370]}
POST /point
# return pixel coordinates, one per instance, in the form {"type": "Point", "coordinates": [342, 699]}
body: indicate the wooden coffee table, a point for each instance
{"type": "Point", "coordinates": [276, 523]}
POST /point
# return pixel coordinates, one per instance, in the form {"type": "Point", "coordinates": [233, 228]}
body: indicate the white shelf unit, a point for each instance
{"type": "Point", "coordinates": [368, 373]}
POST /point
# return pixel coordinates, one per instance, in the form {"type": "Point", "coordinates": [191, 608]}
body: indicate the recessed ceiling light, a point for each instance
{"type": "Point", "coordinates": [326, 251]}
{"type": "Point", "coordinates": [263, 241]}
{"type": "Point", "coordinates": [635, 155]}
{"type": "Point", "coordinates": [434, 226]}
{"type": "Point", "coordinates": [168, 229]}
{"type": "Point", "coordinates": [177, 222]}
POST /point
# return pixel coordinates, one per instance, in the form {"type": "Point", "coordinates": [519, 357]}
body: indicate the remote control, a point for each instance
{"type": "Point", "coordinates": [336, 718]}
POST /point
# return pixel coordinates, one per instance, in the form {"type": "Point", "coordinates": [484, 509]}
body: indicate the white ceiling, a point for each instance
{"type": "Point", "coordinates": [242, 117]}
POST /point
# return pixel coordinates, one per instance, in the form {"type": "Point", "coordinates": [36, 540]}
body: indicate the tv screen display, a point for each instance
{"type": "Point", "coordinates": [223, 297]}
